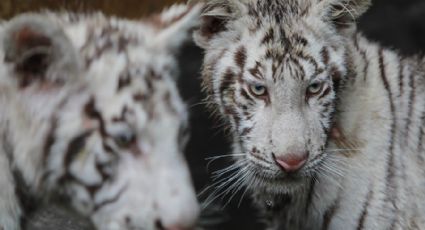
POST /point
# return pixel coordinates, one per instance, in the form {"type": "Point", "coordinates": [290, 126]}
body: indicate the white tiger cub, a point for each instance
{"type": "Point", "coordinates": [90, 114]}
{"type": "Point", "coordinates": [328, 128]}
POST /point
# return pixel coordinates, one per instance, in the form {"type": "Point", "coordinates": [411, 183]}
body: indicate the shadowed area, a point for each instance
{"type": "Point", "coordinates": [54, 216]}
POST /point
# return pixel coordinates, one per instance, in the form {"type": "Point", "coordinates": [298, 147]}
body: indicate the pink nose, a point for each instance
{"type": "Point", "coordinates": [291, 162]}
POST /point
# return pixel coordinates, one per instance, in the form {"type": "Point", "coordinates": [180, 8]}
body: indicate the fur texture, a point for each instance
{"type": "Point", "coordinates": [292, 79]}
{"type": "Point", "coordinates": [91, 114]}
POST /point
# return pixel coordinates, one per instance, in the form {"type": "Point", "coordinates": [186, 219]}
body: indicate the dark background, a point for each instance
{"type": "Point", "coordinates": [399, 24]}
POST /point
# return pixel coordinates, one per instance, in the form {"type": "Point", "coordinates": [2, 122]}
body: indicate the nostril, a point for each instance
{"type": "Point", "coordinates": [291, 162]}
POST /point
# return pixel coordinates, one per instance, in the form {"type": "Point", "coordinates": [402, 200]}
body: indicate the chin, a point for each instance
{"type": "Point", "coordinates": [279, 183]}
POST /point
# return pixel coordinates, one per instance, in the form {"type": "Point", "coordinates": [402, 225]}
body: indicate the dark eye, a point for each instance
{"type": "Point", "coordinates": [258, 90]}
{"type": "Point", "coordinates": [125, 140]}
{"type": "Point", "coordinates": [315, 89]}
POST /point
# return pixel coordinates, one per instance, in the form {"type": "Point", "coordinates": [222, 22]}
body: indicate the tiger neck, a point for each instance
{"type": "Point", "coordinates": [363, 107]}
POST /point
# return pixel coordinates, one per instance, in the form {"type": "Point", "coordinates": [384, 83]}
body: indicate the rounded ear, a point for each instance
{"type": "Point", "coordinates": [38, 50]}
{"type": "Point", "coordinates": [344, 13]}
{"type": "Point", "coordinates": [214, 18]}
{"type": "Point", "coordinates": [175, 25]}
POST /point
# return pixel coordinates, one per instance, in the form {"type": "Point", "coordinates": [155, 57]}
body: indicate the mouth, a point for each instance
{"type": "Point", "coordinates": [280, 177]}
{"type": "Point", "coordinates": [276, 181]}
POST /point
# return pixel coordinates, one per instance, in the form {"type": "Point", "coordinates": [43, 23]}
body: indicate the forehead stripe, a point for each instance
{"type": "Point", "coordinates": [240, 57]}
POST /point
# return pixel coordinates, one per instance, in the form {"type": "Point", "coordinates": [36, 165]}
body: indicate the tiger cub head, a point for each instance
{"type": "Point", "coordinates": [95, 115]}
{"type": "Point", "coordinates": [273, 69]}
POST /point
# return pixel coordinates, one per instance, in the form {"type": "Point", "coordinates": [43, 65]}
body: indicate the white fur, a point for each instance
{"type": "Point", "coordinates": [356, 186]}
{"type": "Point", "coordinates": [150, 180]}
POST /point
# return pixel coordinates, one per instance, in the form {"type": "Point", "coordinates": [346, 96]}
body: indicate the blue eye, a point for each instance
{"type": "Point", "coordinates": [315, 88]}
{"type": "Point", "coordinates": [258, 90]}
{"type": "Point", "coordinates": [124, 140]}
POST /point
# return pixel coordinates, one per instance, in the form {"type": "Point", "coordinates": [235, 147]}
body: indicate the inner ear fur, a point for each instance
{"type": "Point", "coordinates": [38, 49]}
{"type": "Point", "coordinates": [29, 50]}
{"type": "Point", "coordinates": [175, 25]}
{"type": "Point", "coordinates": [344, 13]}
{"type": "Point", "coordinates": [214, 19]}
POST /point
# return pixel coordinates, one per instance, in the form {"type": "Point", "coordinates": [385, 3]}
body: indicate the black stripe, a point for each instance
{"type": "Point", "coordinates": [124, 80]}
{"type": "Point", "coordinates": [421, 136]}
{"type": "Point", "coordinates": [109, 201]}
{"type": "Point", "coordinates": [366, 64]}
{"type": "Point", "coordinates": [246, 131]}
{"type": "Point", "coordinates": [50, 140]}
{"type": "Point", "coordinates": [400, 79]}
{"type": "Point", "coordinates": [336, 78]}
{"type": "Point", "coordinates": [364, 56]}
{"type": "Point", "coordinates": [329, 214]}
{"type": "Point", "coordinates": [312, 61]}
{"type": "Point", "coordinates": [75, 147]}
{"type": "Point", "coordinates": [246, 95]}
{"type": "Point", "coordinates": [226, 81]}
{"type": "Point", "coordinates": [240, 57]}
{"type": "Point", "coordinates": [298, 72]}
{"type": "Point", "coordinates": [7, 146]}
{"type": "Point", "coordinates": [255, 72]}
{"type": "Point", "coordinates": [268, 37]}
{"type": "Point", "coordinates": [366, 67]}
{"type": "Point", "coordinates": [310, 195]}
{"type": "Point", "coordinates": [410, 105]}
{"type": "Point", "coordinates": [300, 39]}
{"type": "Point", "coordinates": [325, 55]}
{"type": "Point", "coordinates": [364, 213]}
{"type": "Point", "coordinates": [91, 111]}
{"type": "Point", "coordinates": [325, 93]}
{"type": "Point", "coordinates": [391, 185]}
{"type": "Point", "coordinates": [50, 136]}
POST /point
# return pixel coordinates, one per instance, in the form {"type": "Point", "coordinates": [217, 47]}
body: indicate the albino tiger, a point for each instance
{"type": "Point", "coordinates": [90, 114]}
{"type": "Point", "coordinates": [328, 128]}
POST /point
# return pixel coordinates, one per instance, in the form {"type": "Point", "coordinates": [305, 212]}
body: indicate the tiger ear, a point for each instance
{"type": "Point", "coordinates": [175, 25]}
{"type": "Point", "coordinates": [344, 13]}
{"type": "Point", "coordinates": [38, 51]}
{"type": "Point", "coordinates": [216, 14]}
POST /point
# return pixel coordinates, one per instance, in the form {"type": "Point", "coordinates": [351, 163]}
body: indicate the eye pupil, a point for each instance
{"type": "Point", "coordinates": [124, 140]}
{"type": "Point", "coordinates": [258, 90]}
{"type": "Point", "coordinates": [314, 89]}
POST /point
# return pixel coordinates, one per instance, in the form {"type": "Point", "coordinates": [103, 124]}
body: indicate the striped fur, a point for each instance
{"type": "Point", "coordinates": [91, 115]}
{"type": "Point", "coordinates": [363, 131]}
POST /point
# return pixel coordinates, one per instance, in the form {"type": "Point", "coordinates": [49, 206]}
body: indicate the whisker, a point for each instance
{"type": "Point", "coordinates": [248, 185]}
{"type": "Point", "coordinates": [235, 188]}
{"type": "Point", "coordinates": [218, 192]}
{"type": "Point", "coordinates": [198, 104]}
{"type": "Point", "coordinates": [221, 172]}
{"type": "Point", "coordinates": [224, 156]}
{"type": "Point", "coordinates": [213, 159]}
